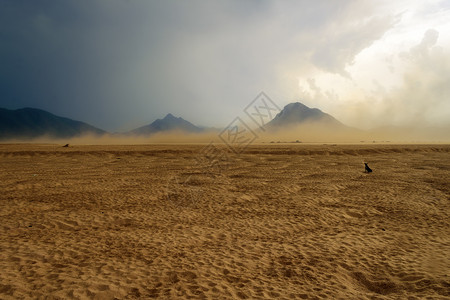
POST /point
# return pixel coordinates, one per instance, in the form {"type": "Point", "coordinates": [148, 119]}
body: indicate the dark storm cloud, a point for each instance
{"type": "Point", "coordinates": [120, 64]}
{"type": "Point", "coordinates": [70, 57]}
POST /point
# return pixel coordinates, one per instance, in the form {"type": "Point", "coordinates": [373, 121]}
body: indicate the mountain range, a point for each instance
{"type": "Point", "coordinates": [28, 123]}
{"type": "Point", "coordinates": [297, 118]}
{"type": "Point", "coordinates": [168, 123]}
{"type": "Point", "coordinates": [295, 114]}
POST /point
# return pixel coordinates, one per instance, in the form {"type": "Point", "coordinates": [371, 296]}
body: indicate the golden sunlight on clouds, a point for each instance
{"type": "Point", "coordinates": [400, 79]}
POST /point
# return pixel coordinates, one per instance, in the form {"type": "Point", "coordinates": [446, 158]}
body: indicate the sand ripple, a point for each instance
{"type": "Point", "coordinates": [284, 222]}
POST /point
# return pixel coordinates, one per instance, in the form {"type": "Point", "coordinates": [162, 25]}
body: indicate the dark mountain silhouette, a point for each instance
{"type": "Point", "coordinates": [168, 123]}
{"type": "Point", "coordinates": [297, 113]}
{"type": "Point", "coordinates": [29, 123]}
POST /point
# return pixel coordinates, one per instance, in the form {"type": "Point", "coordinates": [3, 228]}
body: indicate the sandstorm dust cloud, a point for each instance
{"type": "Point", "coordinates": [305, 133]}
{"type": "Point", "coordinates": [172, 137]}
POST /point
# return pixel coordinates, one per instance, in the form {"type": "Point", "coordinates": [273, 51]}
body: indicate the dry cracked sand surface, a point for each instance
{"type": "Point", "coordinates": [276, 221]}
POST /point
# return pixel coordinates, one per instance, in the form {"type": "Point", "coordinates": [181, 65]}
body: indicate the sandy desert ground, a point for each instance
{"type": "Point", "coordinates": [284, 221]}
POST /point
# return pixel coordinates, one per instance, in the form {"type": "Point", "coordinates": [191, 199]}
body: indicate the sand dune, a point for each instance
{"type": "Point", "coordinates": [277, 221]}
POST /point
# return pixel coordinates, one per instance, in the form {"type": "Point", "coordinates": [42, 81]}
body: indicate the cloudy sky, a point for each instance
{"type": "Point", "coordinates": [120, 64]}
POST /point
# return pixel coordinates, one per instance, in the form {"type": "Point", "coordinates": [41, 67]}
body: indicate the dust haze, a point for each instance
{"type": "Point", "coordinates": [316, 133]}
{"type": "Point", "coordinates": [169, 137]}
{"type": "Point", "coordinates": [305, 133]}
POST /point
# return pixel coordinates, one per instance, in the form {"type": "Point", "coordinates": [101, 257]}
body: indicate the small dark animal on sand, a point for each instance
{"type": "Point", "coordinates": [66, 145]}
{"type": "Point", "coordinates": [367, 169]}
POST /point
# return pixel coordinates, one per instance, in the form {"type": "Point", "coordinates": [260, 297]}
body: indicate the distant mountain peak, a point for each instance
{"type": "Point", "coordinates": [295, 105]}
{"type": "Point", "coordinates": [168, 123]}
{"type": "Point", "coordinates": [170, 116]}
{"type": "Point", "coordinates": [30, 122]}
{"type": "Point", "coordinates": [297, 113]}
